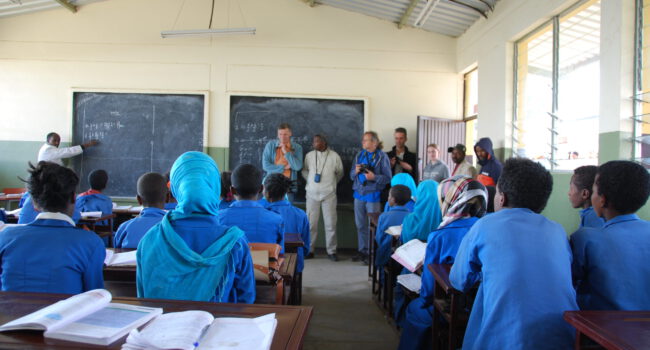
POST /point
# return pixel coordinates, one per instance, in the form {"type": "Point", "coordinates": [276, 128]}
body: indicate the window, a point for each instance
{"type": "Point", "coordinates": [641, 149]}
{"type": "Point", "coordinates": [470, 111]}
{"type": "Point", "coordinates": [557, 87]}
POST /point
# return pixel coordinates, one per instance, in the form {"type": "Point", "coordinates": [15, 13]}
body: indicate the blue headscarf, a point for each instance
{"type": "Point", "coordinates": [196, 185]}
{"type": "Point", "coordinates": [426, 215]}
{"type": "Point", "coordinates": [406, 180]}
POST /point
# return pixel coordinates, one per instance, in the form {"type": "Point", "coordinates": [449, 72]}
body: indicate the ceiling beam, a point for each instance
{"type": "Point", "coordinates": [488, 5]}
{"type": "Point", "coordinates": [470, 7]}
{"type": "Point", "coordinates": [407, 14]}
{"type": "Point", "coordinates": [68, 5]}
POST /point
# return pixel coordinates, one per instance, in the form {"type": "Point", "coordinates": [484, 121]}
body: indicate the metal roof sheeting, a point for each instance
{"type": "Point", "coordinates": [17, 7]}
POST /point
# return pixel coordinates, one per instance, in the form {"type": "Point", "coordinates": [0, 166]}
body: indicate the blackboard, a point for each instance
{"type": "Point", "coordinates": [138, 133]}
{"type": "Point", "coordinates": [254, 121]}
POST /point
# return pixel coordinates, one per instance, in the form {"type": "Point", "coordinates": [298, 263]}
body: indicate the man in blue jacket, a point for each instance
{"type": "Point", "coordinates": [490, 165]}
{"type": "Point", "coordinates": [283, 156]}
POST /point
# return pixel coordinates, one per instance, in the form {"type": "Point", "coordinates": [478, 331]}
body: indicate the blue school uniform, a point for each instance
{"type": "Point", "coordinates": [610, 264]}
{"type": "Point", "coordinates": [131, 232]}
{"type": "Point", "coordinates": [95, 202]}
{"type": "Point", "coordinates": [28, 213]}
{"type": "Point", "coordinates": [23, 198]}
{"type": "Point", "coordinates": [259, 224]}
{"type": "Point", "coordinates": [589, 218]}
{"type": "Point", "coordinates": [523, 260]}
{"type": "Point", "coordinates": [170, 206]}
{"type": "Point", "coordinates": [409, 206]}
{"type": "Point", "coordinates": [50, 255]}
{"type": "Point", "coordinates": [394, 217]}
{"type": "Point", "coordinates": [442, 247]}
{"type": "Point", "coordinates": [295, 221]}
{"type": "Point", "coordinates": [224, 204]}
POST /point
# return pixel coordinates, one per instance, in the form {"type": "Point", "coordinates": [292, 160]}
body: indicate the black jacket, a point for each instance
{"type": "Point", "coordinates": [410, 158]}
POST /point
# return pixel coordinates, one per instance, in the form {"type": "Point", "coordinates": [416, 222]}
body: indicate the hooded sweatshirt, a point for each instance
{"type": "Point", "coordinates": [490, 167]}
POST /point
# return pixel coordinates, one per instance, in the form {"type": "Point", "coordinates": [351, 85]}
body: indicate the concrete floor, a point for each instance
{"type": "Point", "coordinates": [345, 315]}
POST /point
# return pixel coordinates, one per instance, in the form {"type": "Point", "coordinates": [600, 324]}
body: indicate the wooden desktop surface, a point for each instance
{"type": "Point", "coordinates": [289, 334]}
{"type": "Point", "coordinates": [614, 330]}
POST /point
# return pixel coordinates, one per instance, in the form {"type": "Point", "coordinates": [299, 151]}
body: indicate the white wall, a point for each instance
{"type": "Point", "coordinates": [298, 50]}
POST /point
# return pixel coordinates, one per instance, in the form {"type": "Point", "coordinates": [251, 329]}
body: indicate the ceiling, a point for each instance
{"type": "Point", "coordinates": [17, 7]}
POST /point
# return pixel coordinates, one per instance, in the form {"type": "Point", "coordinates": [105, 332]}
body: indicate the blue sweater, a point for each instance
{"type": "Point", "coordinates": [259, 224]}
{"type": "Point", "coordinates": [295, 221]}
{"type": "Point", "coordinates": [131, 232]}
{"type": "Point", "coordinates": [381, 165]}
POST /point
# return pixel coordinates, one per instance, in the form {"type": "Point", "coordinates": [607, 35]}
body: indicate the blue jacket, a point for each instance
{"type": "Point", "coordinates": [524, 263]}
{"type": "Point", "coordinates": [382, 171]}
{"type": "Point", "coordinates": [295, 221]}
{"type": "Point", "coordinates": [589, 218]}
{"type": "Point", "coordinates": [294, 158]}
{"type": "Point", "coordinates": [131, 232]}
{"type": "Point", "coordinates": [491, 167]}
{"type": "Point", "coordinates": [259, 224]}
{"type": "Point", "coordinates": [394, 217]}
{"type": "Point", "coordinates": [610, 264]}
{"type": "Point", "coordinates": [224, 204]}
{"type": "Point", "coordinates": [50, 256]}
{"type": "Point", "coordinates": [95, 202]}
{"type": "Point", "coordinates": [28, 213]}
{"type": "Point", "coordinates": [410, 206]}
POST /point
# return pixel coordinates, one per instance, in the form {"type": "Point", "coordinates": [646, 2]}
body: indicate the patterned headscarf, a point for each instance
{"type": "Point", "coordinates": [458, 196]}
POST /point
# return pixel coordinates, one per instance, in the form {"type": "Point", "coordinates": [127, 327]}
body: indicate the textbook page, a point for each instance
{"type": "Point", "coordinates": [106, 325]}
{"type": "Point", "coordinates": [411, 254]}
{"type": "Point", "coordinates": [121, 207]}
{"type": "Point", "coordinates": [14, 212]}
{"type": "Point", "coordinates": [121, 259]}
{"type": "Point", "coordinates": [176, 330]}
{"type": "Point", "coordinates": [61, 312]}
{"type": "Point", "coordinates": [233, 333]}
{"type": "Point", "coordinates": [91, 214]}
{"type": "Point", "coordinates": [411, 282]}
{"type": "Point", "coordinates": [394, 231]}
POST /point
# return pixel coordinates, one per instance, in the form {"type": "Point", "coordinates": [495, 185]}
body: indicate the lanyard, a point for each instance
{"type": "Point", "coordinates": [324, 162]}
{"type": "Point", "coordinates": [371, 161]}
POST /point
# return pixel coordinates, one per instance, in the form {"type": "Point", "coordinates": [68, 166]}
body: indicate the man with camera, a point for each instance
{"type": "Point", "coordinates": [322, 169]}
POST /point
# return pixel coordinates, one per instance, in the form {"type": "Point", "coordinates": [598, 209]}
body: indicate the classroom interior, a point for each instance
{"type": "Point", "coordinates": [317, 51]}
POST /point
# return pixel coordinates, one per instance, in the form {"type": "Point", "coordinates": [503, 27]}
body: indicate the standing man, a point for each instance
{"type": "Point", "coordinates": [401, 160]}
{"type": "Point", "coordinates": [461, 167]}
{"type": "Point", "coordinates": [323, 169]}
{"type": "Point", "coordinates": [490, 166]}
{"type": "Point", "coordinates": [282, 156]}
{"type": "Point", "coordinates": [50, 151]}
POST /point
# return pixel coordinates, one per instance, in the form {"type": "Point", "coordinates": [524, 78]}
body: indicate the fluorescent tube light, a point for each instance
{"type": "Point", "coordinates": [207, 32]}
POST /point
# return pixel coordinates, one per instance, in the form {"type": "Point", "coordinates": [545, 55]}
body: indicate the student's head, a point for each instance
{"type": "Point", "coordinates": [196, 185]}
{"type": "Point", "coordinates": [370, 141]}
{"type": "Point", "coordinates": [400, 137]}
{"type": "Point", "coordinates": [319, 142]}
{"type": "Point", "coordinates": [53, 139]}
{"type": "Point", "coordinates": [620, 187]}
{"type": "Point", "coordinates": [246, 182]}
{"type": "Point", "coordinates": [457, 153]}
{"type": "Point", "coordinates": [399, 195]}
{"type": "Point", "coordinates": [461, 196]}
{"type": "Point", "coordinates": [52, 187]}
{"type": "Point", "coordinates": [98, 179]}
{"type": "Point", "coordinates": [433, 152]}
{"type": "Point", "coordinates": [284, 133]}
{"type": "Point", "coordinates": [152, 190]}
{"type": "Point", "coordinates": [523, 184]}
{"type": "Point", "coordinates": [276, 186]}
{"type": "Point", "coordinates": [580, 186]}
{"type": "Point", "coordinates": [226, 183]}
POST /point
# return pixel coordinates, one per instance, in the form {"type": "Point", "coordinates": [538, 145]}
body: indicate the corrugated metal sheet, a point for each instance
{"type": "Point", "coordinates": [17, 7]}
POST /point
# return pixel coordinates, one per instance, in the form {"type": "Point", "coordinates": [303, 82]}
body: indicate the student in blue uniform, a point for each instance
{"type": "Point", "coordinates": [426, 215]}
{"type": "Point", "coordinates": [464, 201]}
{"type": "Point", "coordinates": [276, 187]}
{"type": "Point", "coordinates": [28, 212]}
{"type": "Point", "coordinates": [171, 202]}
{"type": "Point", "coordinates": [152, 193]}
{"type": "Point", "coordinates": [259, 224]}
{"type": "Point", "coordinates": [398, 197]}
{"type": "Point", "coordinates": [580, 187]}
{"type": "Point", "coordinates": [50, 255]}
{"type": "Point", "coordinates": [406, 180]}
{"type": "Point", "coordinates": [226, 196]}
{"type": "Point", "coordinates": [94, 199]}
{"type": "Point", "coordinates": [610, 263]}
{"type": "Point", "coordinates": [524, 263]}
{"type": "Point", "coordinates": [189, 255]}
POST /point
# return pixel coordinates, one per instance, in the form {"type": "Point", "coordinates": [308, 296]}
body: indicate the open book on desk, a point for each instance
{"type": "Point", "coordinates": [120, 259]}
{"type": "Point", "coordinates": [91, 214]}
{"type": "Point", "coordinates": [88, 317]}
{"type": "Point", "coordinates": [189, 330]}
{"type": "Point", "coordinates": [411, 254]}
{"type": "Point", "coordinates": [411, 282]}
{"type": "Point", "coordinates": [394, 231]}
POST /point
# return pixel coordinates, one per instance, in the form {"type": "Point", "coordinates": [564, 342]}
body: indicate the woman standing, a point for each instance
{"type": "Point", "coordinates": [435, 169]}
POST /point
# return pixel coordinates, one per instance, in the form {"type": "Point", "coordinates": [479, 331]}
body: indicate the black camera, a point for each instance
{"type": "Point", "coordinates": [365, 168]}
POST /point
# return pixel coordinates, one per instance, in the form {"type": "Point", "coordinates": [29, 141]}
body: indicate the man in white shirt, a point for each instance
{"type": "Point", "coordinates": [50, 151]}
{"type": "Point", "coordinates": [322, 169]}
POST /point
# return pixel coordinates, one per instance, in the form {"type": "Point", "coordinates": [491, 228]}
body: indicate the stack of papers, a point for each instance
{"type": "Point", "coordinates": [14, 212]}
{"type": "Point", "coordinates": [120, 259]}
{"type": "Point", "coordinates": [91, 214]}
{"type": "Point", "coordinates": [411, 282]}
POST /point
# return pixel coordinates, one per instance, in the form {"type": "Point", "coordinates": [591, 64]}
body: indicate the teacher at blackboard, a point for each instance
{"type": "Point", "coordinates": [282, 156]}
{"type": "Point", "coordinates": [50, 151]}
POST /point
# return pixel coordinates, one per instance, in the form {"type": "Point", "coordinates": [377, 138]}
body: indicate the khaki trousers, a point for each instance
{"type": "Point", "coordinates": [329, 219]}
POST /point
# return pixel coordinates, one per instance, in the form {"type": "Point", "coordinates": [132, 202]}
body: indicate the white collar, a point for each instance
{"type": "Point", "coordinates": [55, 216]}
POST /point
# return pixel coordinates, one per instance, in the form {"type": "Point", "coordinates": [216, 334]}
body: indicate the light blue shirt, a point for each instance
{"type": "Point", "coordinates": [589, 218]}
{"type": "Point", "coordinates": [294, 158]}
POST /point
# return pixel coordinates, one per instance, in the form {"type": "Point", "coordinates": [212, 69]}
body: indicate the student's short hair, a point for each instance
{"type": "Point", "coordinates": [402, 130]}
{"type": "Point", "coordinates": [225, 182]}
{"type": "Point", "coordinates": [284, 126]}
{"type": "Point", "coordinates": [247, 180]}
{"type": "Point", "coordinates": [277, 185]}
{"type": "Point", "coordinates": [583, 177]}
{"type": "Point", "coordinates": [152, 188]}
{"type": "Point", "coordinates": [526, 184]}
{"type": "Point", "coordinates": [50, 135]}
{"type": "Point", "coordinates": [433, 145]}
{"type": "Point", "coordinates": [51, 186]}
{"type": "Point", "coordinates": [401, 194]}
{"type": "Point", "coordinates": [625, 185]}
{"type": "Point", "coordinates": [98, 179]}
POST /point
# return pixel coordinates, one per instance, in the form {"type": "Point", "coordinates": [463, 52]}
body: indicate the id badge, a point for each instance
{"type": "Point", "coordinates": [317, 178]}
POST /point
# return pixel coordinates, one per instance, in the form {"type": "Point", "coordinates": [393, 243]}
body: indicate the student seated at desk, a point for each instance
{"type": "Point", "coordinates": [28, 212]}
{"type": "Point", "coordinates": [50, 255]}
{"type": "Point", "coordinates": [189, 255]}
{"type": "Point", "coordinates": [398, 197]}
{"type": "Point", "coordinates": [226, 196]}
{"type": "Point", "coordinates": [276, 187]}
{"type": "Point", "coordinates": [524, 263]}
{"type": "Point", "coordinates": [94, 199]}
{"type": "Point", "coordinates": [259, 224]}
{"type": "Point", "coordinates": [464, 201]}
{"type": "Point", "coordinates": [152, 193]}
{"type": "Point", "coordinates": [610, 264]}
{"type": "Point", "coordinates": [580, 188]}
{"type": "Point", "coordinates": [171, 202]}
{"type": "Point", "coordinates": [406, 180]}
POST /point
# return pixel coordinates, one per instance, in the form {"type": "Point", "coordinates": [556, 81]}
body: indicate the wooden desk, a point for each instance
{"type": "Point", "coordinates": [100, 230]}
{"type": "Point", "coordinates": [292, 241]}
{"type": "Point", "coordinates": [289, 334]}
{"type": "Point", "coordinates": [8, 198]}
{"type": "Point", "coordinates": [614, 330]}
